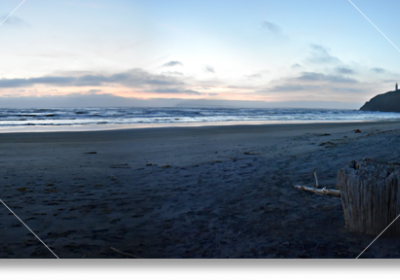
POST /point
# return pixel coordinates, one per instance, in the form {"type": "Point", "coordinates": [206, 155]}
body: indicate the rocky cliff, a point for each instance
{"type": "Point", "coordinates": [385, 102]}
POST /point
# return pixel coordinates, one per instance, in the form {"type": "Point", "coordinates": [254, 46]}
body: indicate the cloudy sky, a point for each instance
{"type": "Point", "coordinates": [252, 50]}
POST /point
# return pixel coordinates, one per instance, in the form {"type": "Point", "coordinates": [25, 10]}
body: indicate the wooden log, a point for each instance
{"type": "Point", "coordinates": [370, 196]}
{"type": "Point", "coordinates": [323, 191]}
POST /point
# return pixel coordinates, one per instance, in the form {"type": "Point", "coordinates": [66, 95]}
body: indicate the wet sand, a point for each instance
{"type": "Point", "coordinates": [195, 192]}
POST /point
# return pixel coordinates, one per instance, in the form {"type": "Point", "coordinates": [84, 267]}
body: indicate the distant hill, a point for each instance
{"type": "Point", "coordinates": [385, 102]}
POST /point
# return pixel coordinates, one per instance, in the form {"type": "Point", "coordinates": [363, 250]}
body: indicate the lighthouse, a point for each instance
{"type": "Point", "coordinates": [396, 87]}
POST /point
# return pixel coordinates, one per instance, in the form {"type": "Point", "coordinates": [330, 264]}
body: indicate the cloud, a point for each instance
{"type": "Point", "coordinates": [11, 83]}
{"type": "Point", "coordinates": [319, 55]}
{"type": "Point", "coordinates": [172, 63]}
{"type": "Point", "coordinates": [378, 70]}
{"type": "Point", "coordinates": [254, 76]}
{"type": "Point", "coordinates": [344, 70]}
{"type": "Point", "coordinates": [172, 73]}
{"type": "Point", "coordinates": [209, 69]}
{"type": "Point", "coordinates": [174, 90]}
{"type": "Point", "coordinates": [290, 87]}
{"type": "Point", "coordinates": [346, 89]}
{"type": "Point", "coordinates": [137, 79]}
{"type": "Point", "coordinates": [314, 83]}
{"type": "Point", "coordinates": [241, 87]}
{"type": "Point", "coordinates": [390, 81]}
{"type": "Point", "coordinates": [296, 65]}
{"type": "Point", "coordinates": [132, 78]}
{"type": "Point", "coordinates": [94, 91]}
{"type": "Point", "coordinates": [257, 75]}
{"type": "Point", "coordinates": [13, 21]}
{"type": "Point", "coordinates": [312, 77]}
{"type": "Point", "coordinates": [272, 27]}
{"type": "Point", "coordinates": [79, 100]}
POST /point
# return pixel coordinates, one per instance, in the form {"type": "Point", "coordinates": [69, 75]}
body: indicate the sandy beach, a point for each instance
{"type": "Point", "coordinates": [186, 192]}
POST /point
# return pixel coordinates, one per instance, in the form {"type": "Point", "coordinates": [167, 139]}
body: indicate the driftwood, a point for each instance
{"type": "Point", "coordinates": [370, 193]}
{"type": "Point", "coordinates": [323, 191]}
{"type": "Point", "coordinates": [316, 190]}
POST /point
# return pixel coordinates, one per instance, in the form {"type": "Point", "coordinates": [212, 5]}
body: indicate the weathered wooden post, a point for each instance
{"type": "Point", "coordinates": [370, 194]}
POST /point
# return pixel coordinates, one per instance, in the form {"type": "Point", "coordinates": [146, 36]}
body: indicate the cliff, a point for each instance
{"type": "Point", "coordinates": [385, 102]}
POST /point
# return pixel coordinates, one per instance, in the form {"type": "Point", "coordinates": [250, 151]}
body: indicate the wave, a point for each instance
{"type": "Point", "coordinates": [126, 116]}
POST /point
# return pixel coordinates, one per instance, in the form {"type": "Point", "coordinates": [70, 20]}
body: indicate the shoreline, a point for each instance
{"type": "Point", "coordinates": [186, 192]}
{"type": "Point", "coordinates": [116, 127]}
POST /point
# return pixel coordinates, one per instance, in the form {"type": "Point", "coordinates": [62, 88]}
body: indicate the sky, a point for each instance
{"type": "Point", "coordinates": [257, 51]}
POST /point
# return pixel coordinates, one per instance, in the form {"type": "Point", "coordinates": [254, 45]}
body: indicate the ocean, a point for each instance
{"type": "Point", "coordinates": [140, 117]}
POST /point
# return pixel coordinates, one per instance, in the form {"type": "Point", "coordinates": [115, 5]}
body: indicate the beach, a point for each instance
{"type": "Point", "coordinates": [186, 192]}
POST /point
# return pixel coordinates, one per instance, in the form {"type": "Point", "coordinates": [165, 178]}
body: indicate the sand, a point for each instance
{"type": "Point", "coordinates": [195, 192]}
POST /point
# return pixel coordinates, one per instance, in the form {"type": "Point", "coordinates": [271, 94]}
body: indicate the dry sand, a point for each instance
{"type": "Point", "coordinates": [196, 192]}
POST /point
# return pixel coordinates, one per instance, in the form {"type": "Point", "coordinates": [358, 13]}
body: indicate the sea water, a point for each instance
{"type": "Point", "coordinates": [72, 117]}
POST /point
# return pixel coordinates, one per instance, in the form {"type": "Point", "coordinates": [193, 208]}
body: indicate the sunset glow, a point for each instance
{"type": "Point", "coordinates": [257, 50]}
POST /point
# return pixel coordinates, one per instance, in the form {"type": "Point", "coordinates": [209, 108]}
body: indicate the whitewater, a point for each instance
{"type": "Point", "coordinates": [70, 117]}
